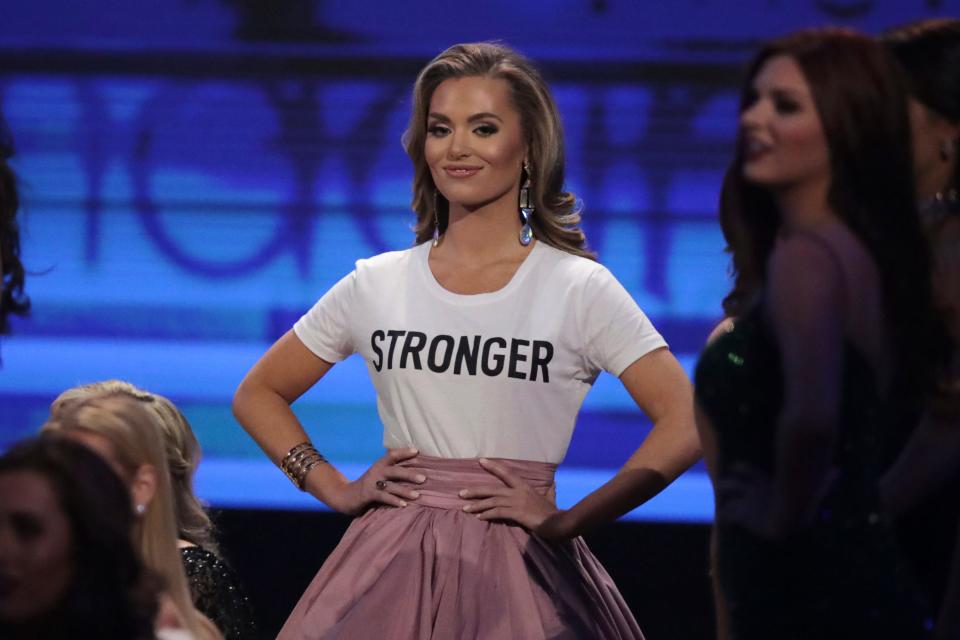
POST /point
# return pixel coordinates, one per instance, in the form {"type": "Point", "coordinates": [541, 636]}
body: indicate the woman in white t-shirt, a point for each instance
{"type": "Point", "coordinates": [482, 344]}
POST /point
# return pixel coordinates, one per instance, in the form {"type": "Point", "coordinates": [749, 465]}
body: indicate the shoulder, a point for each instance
{"type": "Point", "coordinates": [218, 593]}
{"type": "Point", "coordinates": [199, 561]}
{"type": "Point", "coordinates": [207, 572]}
{"type": "Point", "coordinates": [571, 268]}
{"type": "Point", "coordinates": [390, 259]}
{"type": "Point", "coordinates": [805, 282]}
{"type": "Point", "coordinates": [389, 264]}
{"type": "Point", "coordinates": [805, 257]}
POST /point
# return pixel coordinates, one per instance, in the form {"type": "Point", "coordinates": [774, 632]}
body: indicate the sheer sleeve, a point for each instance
{"type": "Point", "coordinates": [805, 306]}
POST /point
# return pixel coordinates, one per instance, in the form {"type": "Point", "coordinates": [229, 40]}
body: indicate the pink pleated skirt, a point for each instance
{"type": "Point", "coordinates": [432, 571]}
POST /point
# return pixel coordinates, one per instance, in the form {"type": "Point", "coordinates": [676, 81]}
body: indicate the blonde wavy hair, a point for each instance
{"type": "Point", "coordinates": [182, 450]}
{"type": "Point", "coordinates": [556, 220]}
{"type": "Point", "coordinates": [134, 433]}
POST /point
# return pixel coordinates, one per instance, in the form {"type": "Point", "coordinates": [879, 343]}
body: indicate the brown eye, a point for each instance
{"type": "Point", "coordinates": [437, 130]}
{"type": "Point", "coordinates": [486, 130]}
{"type": "Point", "coordinates": [786, 106]}
{"type": "Point", "coordinates": [26, 527]}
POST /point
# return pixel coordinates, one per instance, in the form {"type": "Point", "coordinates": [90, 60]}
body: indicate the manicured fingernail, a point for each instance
{"type": "Point", "coordinates": [402, 503]}
{"type": "Point", "coordinates": [484, 461]}
{"type": "Point", "coordinates": [463, 493]}
{"type": "Point", "coordinates": [414, 494]}
{"type": "Point", "coordinates": [421, 478]}
{"type": "Point", "coordinates": [413, 450]}
{"type": "Point", "coordinates": [466, 508]}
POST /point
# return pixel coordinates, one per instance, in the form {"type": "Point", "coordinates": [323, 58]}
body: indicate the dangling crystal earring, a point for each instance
{"type": "Point", "coordinates": [526, 208]}
{"type": "Point", "coordinates": [436, 219]}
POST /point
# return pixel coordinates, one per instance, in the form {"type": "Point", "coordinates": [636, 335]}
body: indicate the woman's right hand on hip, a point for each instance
{"type": "Point", "coordinates": [383, 483]}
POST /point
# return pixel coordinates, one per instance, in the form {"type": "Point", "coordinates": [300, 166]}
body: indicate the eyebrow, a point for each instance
{"type": "Point", "coordinates": [783, 92]}
{"type": "Point", "coordinates": [485, 115]}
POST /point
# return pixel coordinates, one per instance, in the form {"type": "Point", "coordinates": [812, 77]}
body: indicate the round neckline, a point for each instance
{"type": "Point", "coordinates": [477, 298]}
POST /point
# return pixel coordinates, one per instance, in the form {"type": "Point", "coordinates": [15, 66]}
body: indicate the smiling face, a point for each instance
{"type": "Point", "coordinates": [475, 145]}
{"type": "Point", "coordinates": [781, 134]}
{"type": "Point", "coordinates": [36, 550]}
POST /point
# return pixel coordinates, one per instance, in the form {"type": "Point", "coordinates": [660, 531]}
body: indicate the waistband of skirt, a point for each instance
{"type": "Point", "coordinates": [446, 477]}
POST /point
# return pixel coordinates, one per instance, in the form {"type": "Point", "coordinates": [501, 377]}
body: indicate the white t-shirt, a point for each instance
{"type": "Point", "coordinates": [499, 374]}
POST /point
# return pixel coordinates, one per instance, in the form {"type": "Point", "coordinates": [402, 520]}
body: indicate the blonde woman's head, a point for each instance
{"type": "Point", "coordinates": [129, 435]}
{"type": "Point", "coordinates": [181, 448]}
{"type": "Point", "coordinates": [557, 218]}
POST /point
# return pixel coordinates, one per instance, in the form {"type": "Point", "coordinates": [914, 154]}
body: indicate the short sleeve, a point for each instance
{"type": "Point", "coordinates": [326, 328]}
{"type": "Point", "coordinates": [616, 332]}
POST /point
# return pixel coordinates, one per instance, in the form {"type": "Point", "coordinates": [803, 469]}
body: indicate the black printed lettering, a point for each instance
{"type": "Point", "coordinates": [516, 357]}
{"type": "Point", "coordinates": [377, 335]}
{"type": "Point", "coordinates": [540, 362]}
{"type": "Point", "coordinates": [444, 364]}
{"type": "Point", "coordinates": [467, 355]}
{"type": "Point", "coordinates": [411, 348]}
{"type": "Point", "coordinates": [394, 334]}
{"type": "Point", "coordinates": [496, 358]}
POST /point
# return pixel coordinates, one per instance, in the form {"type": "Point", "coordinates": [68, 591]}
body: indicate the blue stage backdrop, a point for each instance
{"type": "Point", "coordinates": [197, 173]}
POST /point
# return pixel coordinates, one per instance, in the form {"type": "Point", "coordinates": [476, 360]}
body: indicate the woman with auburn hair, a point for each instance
{"type": "Point", "coordinates": [67, 562]}
{"type": "Point", "coordinates": [835, 331]}
{"type": "Point", "coordinates": [482, 341]}
{"type": "Point", "coordinates": [127, 435]}
{"type": "Point", "coordinates": [216, 589]}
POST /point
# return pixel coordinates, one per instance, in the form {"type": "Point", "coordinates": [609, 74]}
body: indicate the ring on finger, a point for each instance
{"type": "Point", "coordinates": [381, 484]}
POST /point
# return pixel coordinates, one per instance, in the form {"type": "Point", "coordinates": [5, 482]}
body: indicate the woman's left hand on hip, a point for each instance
{"type": "Point", "coordinates": [516, 501]}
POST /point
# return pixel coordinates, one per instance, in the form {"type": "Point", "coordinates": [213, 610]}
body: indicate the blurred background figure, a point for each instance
{"type": "Point", "coordinates": [128, 436]}
{"type": "Point", "coordinates": [13, 300]}
{"type": "Point", "coordinates": [835, 326]}
{"type": "Point", "coordinates": [68, 568]}
{"type": "Point", "coordinates": [215, 588]}
{"type": "Point", "coordinates": [920, 488]}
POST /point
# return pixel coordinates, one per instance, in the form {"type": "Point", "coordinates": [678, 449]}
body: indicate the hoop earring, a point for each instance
{"type": "Point", "coordinates": [526, 208]}
{"type": "Point", "coordinates": [436, 219]}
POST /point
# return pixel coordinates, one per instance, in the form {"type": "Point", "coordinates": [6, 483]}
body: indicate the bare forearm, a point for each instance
{"type": "Point", "coordinates": [270, 421]}
{"type": "Point", "coordinates": [268, 418]}
{"type": "Point", "coordinates": [626, 490]}
{"type": "Point", "coordinates": [671, 447]}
